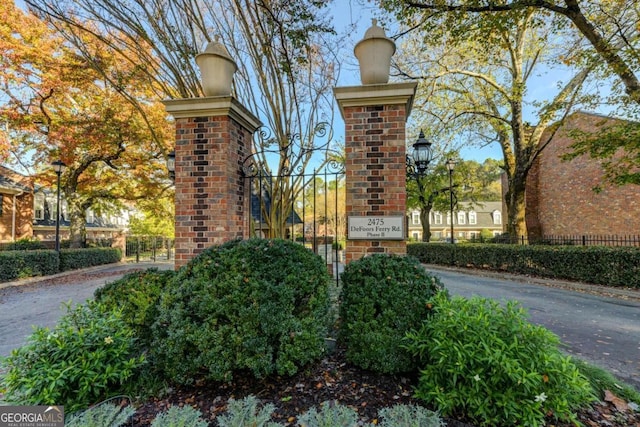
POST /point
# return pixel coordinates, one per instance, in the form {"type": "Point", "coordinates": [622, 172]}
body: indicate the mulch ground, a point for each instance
{"type": "Point", "coordinates": [335, 380]}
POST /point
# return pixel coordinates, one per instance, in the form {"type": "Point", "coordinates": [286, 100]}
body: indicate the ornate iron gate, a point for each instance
{"type": "Point", "coordinates": [305, 208]}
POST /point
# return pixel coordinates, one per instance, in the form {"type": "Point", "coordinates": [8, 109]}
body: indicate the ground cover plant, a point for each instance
{"type": "Point", "coordinates": [90, 354]}
{"type": "Point", "coordinates": [484, 360]}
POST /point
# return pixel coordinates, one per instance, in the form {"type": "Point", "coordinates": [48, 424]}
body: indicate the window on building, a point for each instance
{"type": "Point", "coordinates": [497, 217]}
{"type": "Point", "coordinates": [416, 236]}
{"type": "Point", "coordinates": [415, 218]}
{"type": "Point", "coordinates": [38, 206]}
{"type": "Point", "coordinates": [437, 218]}
{"type": "Point", "coordinates": [473, 217]}
{"type": "Point", "coordinates": [448, 217]}
{"type": "Point", "coordinates": [90, 217]}
{"type": "Point", "coordinates": [462, 218]}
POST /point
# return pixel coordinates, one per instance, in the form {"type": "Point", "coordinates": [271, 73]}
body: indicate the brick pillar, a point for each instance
{"type": "Point", "coordinates": [375, 118]}
{"type": "Point", "coordinates": [213, 137]}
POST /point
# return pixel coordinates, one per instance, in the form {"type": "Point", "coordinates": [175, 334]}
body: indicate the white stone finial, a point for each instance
{"type": "Point", "coordinates": [216, 68]}
{"type": "Point", "coordinates": [374, 54]}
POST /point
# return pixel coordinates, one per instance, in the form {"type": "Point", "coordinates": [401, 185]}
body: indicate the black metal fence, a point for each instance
{"type": "Point", "coordinates": [588, 240]}
{"type": "Point", "coordinates": [148, 248]}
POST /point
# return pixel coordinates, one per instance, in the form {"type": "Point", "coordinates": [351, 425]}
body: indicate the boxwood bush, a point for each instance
{"type": "Point", "coordinates": [136, 295]}
{"type": "Point", "coordinates": [20, 264]}
{"type": "Point", "coordinates": [603, 265]}
{"type": "Point", "coordinates": [484, 360]}
{"type": "Point", "coordinates": [383, 297]}
{"type": "Point", "coordinates": [256, 305]}
{"type": "Point", "coordinates": [72, 259]}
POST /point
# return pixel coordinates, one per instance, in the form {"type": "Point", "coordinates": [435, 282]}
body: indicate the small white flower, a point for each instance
{"type": "Point", "coordinates": [541, 397]}
{"type": "Point", "coordinates": [108, 340]}
{"type": "Point", "coordinates": [477, 377]}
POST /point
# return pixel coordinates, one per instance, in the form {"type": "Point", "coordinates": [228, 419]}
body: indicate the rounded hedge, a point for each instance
{"type": "Point", "coordinates": [383, 297]}
{"type": "Point", "coordinates": [136, 295]}
{"type": "Point", "coordinates": [256, 305]}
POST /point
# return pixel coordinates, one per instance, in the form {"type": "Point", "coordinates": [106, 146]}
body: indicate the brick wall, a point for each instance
{"type": "Point", "coordinates": [24, 208]}
{"type": "Point", "coordinates": [210, 194]}
{"type": "Point", "coordinates": [561, 193]}
{"type": "Point", "coordinates": [375, 170]}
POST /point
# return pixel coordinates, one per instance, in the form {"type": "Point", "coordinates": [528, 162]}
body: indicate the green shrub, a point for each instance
{"type": "Point", "coordinates": [257, 305]}
{"type": "Point", "coordinates": [20, 264]}
{"type": "Point", "coordinates": [486, 361]}
{"type": "Point", "coordinates": [246, 412]}
{"type": "Point", "coordinates": [409, 416]}
{"type": "Point", "coordinates": [25, 244]}
{"type": "Point", "coordinates": [73, 259]}
{"type": "Point", "coordinates": [383, 297]}
{"type": "Point", "coordinates": [136, 295]}
{"type": "Point", "coordinates": [88, 355]}
{"type": "Point", "coordinates": [610, 266]}
{"type": "Point", "coordinates": [103, 415]}
{"type": "Point", "coordinates": [176, 416]}
{"type": "Point", "coordinates": [331, 414]}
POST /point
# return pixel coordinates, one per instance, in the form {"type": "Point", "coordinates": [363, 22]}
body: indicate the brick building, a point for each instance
{"type": "Point", "coordinates": [16, 205]}
{"type": "Point", "coordinates": [468, 222]}
{"type": "Point", "coordinates": [29, 212]}
{"type": "Point", "coordinates": [560, 194]}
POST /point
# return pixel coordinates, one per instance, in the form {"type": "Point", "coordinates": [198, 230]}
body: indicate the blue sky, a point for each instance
{"type": "Point", "coordinates": [358, 13]}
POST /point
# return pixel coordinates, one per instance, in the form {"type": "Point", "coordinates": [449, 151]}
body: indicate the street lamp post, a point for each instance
{"type": "Point", "coordinates": [171, 165]}
{"type": "Point", "coordinates": [450, 166]}
{"type": "Point", "coordinates": [421, 157]}
{"type": "Point", "coordinates": [58, 167]}
{"type": "Point", "coordinates": [418, 162]}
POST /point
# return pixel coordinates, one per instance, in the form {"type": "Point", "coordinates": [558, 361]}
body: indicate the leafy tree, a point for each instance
{"type": "Point", "coordinates": [155, 218]}
{"type": "Point", "coordinates": [481, 68]}
{"type": "Point", "coordinates": [284, 51]}
{"type": "Point", "coordinates": [57, 108]}
{"type": "Point", "coordinates": [610, 27]}
{"type": "Point", "coordinates": [604, 37]}
{"type": "Point", "coordinates": [473, 182]}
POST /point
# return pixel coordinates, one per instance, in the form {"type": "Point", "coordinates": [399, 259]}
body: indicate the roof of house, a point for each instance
{"type": "Point", "coordinates": [256, 212]}
{"type": "Point", "coordinates": [9, 183]}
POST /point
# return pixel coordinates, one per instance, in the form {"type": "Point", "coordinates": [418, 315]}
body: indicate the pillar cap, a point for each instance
{"type": "Point", "coordinates": [379, 94]}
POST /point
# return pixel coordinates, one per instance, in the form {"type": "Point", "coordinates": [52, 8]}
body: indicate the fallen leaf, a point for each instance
{"type": "Point", "coordinates": [620, 404]}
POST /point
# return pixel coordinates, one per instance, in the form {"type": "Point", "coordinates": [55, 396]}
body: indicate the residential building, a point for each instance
{"type": "Point", "coordinates": [561, 197]}
{"type": "Point", "coordinates": [29, 211]}
{"type": "Point", "coordinates": [469, 220]}
{"type": "Point", "coordinates": [16, 205]}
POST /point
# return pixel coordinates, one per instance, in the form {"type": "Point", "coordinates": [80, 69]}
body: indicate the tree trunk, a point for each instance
{"type": "Point", "coordinates": [516, 208]}
{"type": "Point", "coordinates": [424, 220]}
{"type": "Point", "coordinates": [77, 223]}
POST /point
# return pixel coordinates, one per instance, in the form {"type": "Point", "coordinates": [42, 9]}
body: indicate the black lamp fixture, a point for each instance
{"type": "Point", "coordinates": [451, 164]}
{"type": "Point", "coordinates": [421, 157]}
{"type": "Point", "coordinates": [171, 164]}
{"type": "Point", "coordinates": [58, 167]}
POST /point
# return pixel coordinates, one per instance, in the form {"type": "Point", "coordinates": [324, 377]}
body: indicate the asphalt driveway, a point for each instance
{"type": "Point", "coordinates": [40, 301]}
